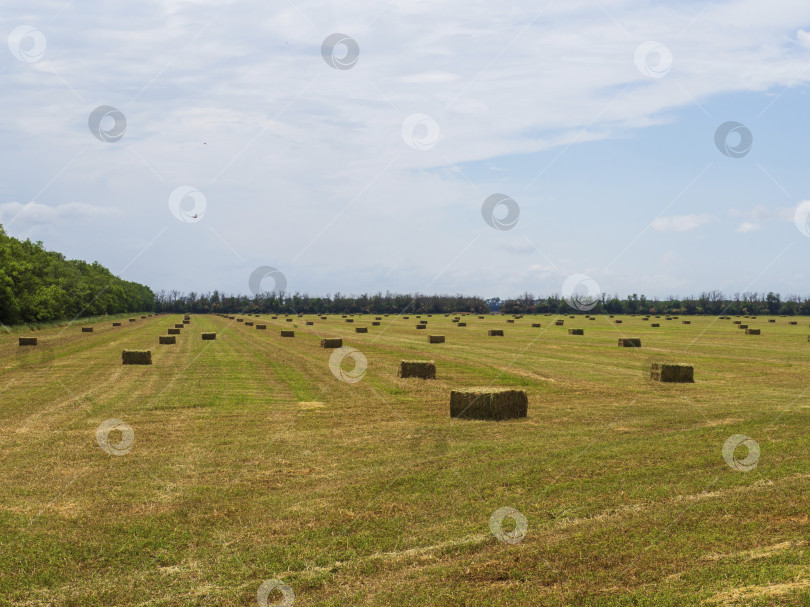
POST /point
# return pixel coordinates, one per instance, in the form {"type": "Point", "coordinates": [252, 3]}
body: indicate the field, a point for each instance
{"type": "Point", "coordinates": [250, 460]}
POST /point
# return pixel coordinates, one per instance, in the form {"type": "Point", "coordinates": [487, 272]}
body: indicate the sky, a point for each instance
{"type": "Point", "coordinates": [481, 148]}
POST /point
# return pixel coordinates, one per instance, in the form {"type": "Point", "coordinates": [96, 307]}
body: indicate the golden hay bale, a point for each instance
{"type": "Point", "coordinates": [131, 320]}
{"type": "Point", "coordinates": [572, 316]}
{"type": "Point", "coordinates": [136, 357]}
{"type": "Point", "coordinates": [793, 322]}
{"type": "Point", "coordinates": [629, 342]}
{"type": "Point", "coordinates": [273, 317]}
{"type": "Point", "coordinates": [423, 369]}
{"type": "Point", "coordinates": [462, 324]}
{"type": "Point", "coordinates": [488, 403]}
{"type": "Point", "coordinates": [667, 372]}
{"type": "Point", "coordinates": [736, 322]}
{"type": "Point", "coordinates": [771, 320]}
{"type": "Point", "coordinates": [174, 331]}
{"type": "Point", "coordinates": [331, 342]}
{"type": "Point", "coordinates": [28, 341]}
{"type": "Point", "coordinates": [261, 327]}
{"type": "Point", "coordinates": [350, 320]}
{"type": "Point", "coordinates": [249, 323]}
{"type": "Point", "coordinates": [655, 324]}
{"type": "Point", "coordinates": [421, 326]}
{"type": "Point", "coordinates": [240, 320]}
{"type": "Point", "coordinates": [742, 326]}
{"type": "Point", "coordinates": [510, 321]}
{"type": "Point", "coordinates": [309, 323]}
{"type": "Point", "coordinates": [208, 336]}
{"type": "Point", "coordinates": [686, 322]}
{"type": "Point", "coordinates": [536, 325]}
{"type": "Point", "coordinates": [87, 329]}
{"type": "Point", "coordinates": [323, 318]}
{"type": "Point", "coordinates": [288, 333]}
{"type": "Point", "coordinates": [378, 318]}
{"type": "Point", "coordinates": [576, 331]}
{"type": "Point", "coordinates": [495, 332]}
{"type": "Point", "coordinates": [435, 339]}
{"type": "Point", "coordinates": [753, 331]}
{"type": "Point", "coordinates": [361, 329]}
{"type": "Point", "coordinates": [179, 325]}
{"type": "Point", "coordinates": [480, 318]}
{"type": "Point", "coordinates": [288, 319]}
{"type": "Point", "coordinates": [375, 323]}
{"type": "Point", "coordinates": [405, 317]}
{"type": "Point", "coordinates": [116, 324]}
{"type": "Point", "coordinates": [167, 339]}
{"type": "Point", "coordinates": [559, 322]}
{"type": "Point", "coordinates": [618, 321]}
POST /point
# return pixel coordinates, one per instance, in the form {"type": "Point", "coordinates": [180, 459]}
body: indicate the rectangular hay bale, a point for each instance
{"type": "Point", "coordinates": [629, 342]}
{"type": "Point", "coordinates": [435, 339]}
{"type": "Point", "coordinates": [209, 336]}
{"type": "Point", "coordinates": [167, 339]}
{"type": "Point", "coordinates": [261, 327]}
{"type": "Point", "coordinates": [361, 329]}
{"type": "Point", "coordinates": [672, 372]}
{"type": "Point", "coordinates": [488, 404]}
{"type": "Point", "coordinates": [288, 333]}
{"type": "Point", "coordinates": [423, 369]}
{"type": "Point", "coordinates": [331, 342]}
{"type": "Point", "coordinates": [495, 332]}
{"type": "Point", "coordinates": [27, 341]}
{"type": "Point", "coordinates": [174, 331]}
{"type": "Point", "coordinates": [576, 331]}
{"type": "Point", "coordinates": [87, 329]}
{"type": "Point", "coordinates": [753, 331]}
{"type": "Point", "coordinates": [136, 357]}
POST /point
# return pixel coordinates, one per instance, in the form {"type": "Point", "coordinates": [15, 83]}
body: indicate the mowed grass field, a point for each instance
{"type": "Point", "coordinates": [252, 461]}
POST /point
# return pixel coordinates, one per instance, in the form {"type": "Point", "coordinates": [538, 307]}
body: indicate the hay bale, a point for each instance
{"type": "Point", "coordinates": [686, 322]}
{"type": "Point", "coordinates": [629, 342]}
{"type": "Point", "coordinates": [495, 332]}
{"type": "Point", "coordinates": [771, 320]}
{"type": "Point", "coordinates": [480, 318]}
{"type": "Point", "coordinates": [167, 339]}
{"type": "Point", "coordinates": [375, 323]}
{"type": "Point", "coordinates": [116, 324]}
{"type": "Point", "coordinates": [249, 323]}
{"type": "Point", "coordinates": [136, 357]}
{"type": "Point", "coordinates": [560, 322]}
{"type": "Point", "coordinates": [736, 322]}
{"type": "Point", "coordinates": [273, 317]}
{"type": "Point", "coordinates": [488, 403]}
{"type": "Point", "coordinates": [576, 331]}
{"type": "Point", "coordinates": [27, 341]}
{"type": "Point", "coordinates": [655, 324]}
{"type": "Point", "coordinates": [423, 369]}
{"type": "Point", "coordinates": [209, 336]}
{"type": "Point", "coordinates": [435, 339]}
{"type": "Point", "coordinates": [618, 321]}
{"type": "Point", "coordinates": [331, 342]}
{"type": "Point", "coordinates": [510, 321]}
{"type": "Point", "coordinates": [261, 327]}
{"type": "Point", "coordinates": [421, 326]}
{"type": "Point", "coordinates": [753, 331]}
{"type": "Point", "coordinates": [350, 320]}
{"type": "Point", "coordinates": [179, 325]}
{"type": "Point", "coordinates": [793, 322]}
{"type": "Point", "coordinates": [405, 317]}
{"type": "Point", "coordinates": [288, 319]}
{"type": "Point", "coordinates": [669, 372]}
{"type": "Point", "coordinates": [323, 317]}
{"type": "Point", "coordinates": [288, 333]}
{"type": "Point", "coordinates": [309, 323]}
{"type": "Point", "coordinates": [131, 320]}
{"type": "Point", "coordinates": [378, 318]}
{"type": "Point", "coordinates": [87, 329]}
{"type": "Point", "coordinates": [361, 329]}
{"type": "Point", "coordinates": [536, 325]}
{"type": "Point", "coordinates": [742, 326]}
{"type": "Point", "coordinates": [240, 320]}
{"type": "Point", "coordinates": [462, 324]}
{"type": "Point", "coordinates": [174, 331]}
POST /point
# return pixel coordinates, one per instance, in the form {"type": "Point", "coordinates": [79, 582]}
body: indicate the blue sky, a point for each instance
{"type": "Point", "coordinates": [373, 177]}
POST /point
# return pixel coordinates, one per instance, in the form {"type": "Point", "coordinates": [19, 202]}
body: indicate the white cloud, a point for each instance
{"type": "Point", "coordinates": [681, 223]}
{"type": "Point", "coordinates": [40, 214]}
{"type": "Point", "coordinates": [748, 226]}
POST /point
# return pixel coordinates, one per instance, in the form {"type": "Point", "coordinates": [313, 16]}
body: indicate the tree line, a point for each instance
{"type": "Point", "coordinates": [39, 286]}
